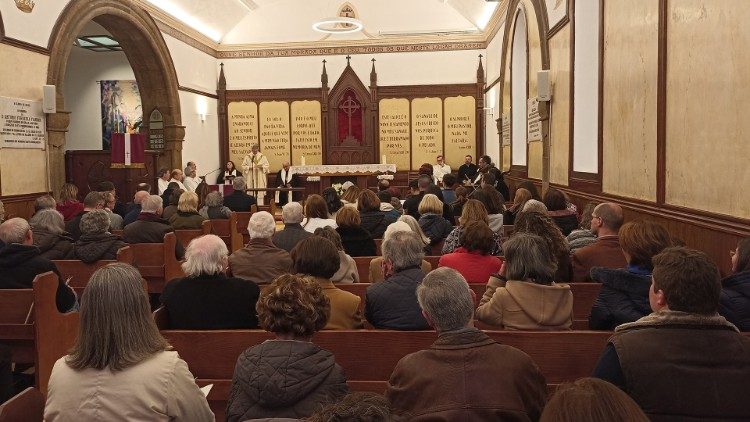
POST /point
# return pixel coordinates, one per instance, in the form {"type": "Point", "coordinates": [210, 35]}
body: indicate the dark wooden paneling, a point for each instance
{"type": "Point", "coordinates": [86, 169]}
{"type": "Point", "coordinates": [20, 205]}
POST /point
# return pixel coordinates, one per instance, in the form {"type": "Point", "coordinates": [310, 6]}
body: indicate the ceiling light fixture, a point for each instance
{"type": "Point", "coordinates": [338, 25]}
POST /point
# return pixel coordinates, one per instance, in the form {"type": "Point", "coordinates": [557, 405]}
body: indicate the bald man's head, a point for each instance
{"type": "Point", "coordinates": [16, 230]}
{"type": "Point", "coordinates": [610, 218]}
{"type": "Point", "coordinates": [140, 196]}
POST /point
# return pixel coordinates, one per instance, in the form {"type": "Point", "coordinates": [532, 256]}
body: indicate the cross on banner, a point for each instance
{"type": "Point", "coordinates": [350, 107]}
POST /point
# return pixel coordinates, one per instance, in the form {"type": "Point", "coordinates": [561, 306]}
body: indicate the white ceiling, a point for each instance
{"type": "Point", "coordinates": [230, 22]}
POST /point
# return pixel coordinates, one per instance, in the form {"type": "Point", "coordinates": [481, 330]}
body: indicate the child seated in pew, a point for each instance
{"type": "Point", "coordinates": [289, 377]}
{"type": "Point", "coordinates": [121, 368]}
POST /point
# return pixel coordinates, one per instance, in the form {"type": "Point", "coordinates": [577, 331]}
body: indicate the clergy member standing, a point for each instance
{"type": "Point", "coordinates": [285, 179]}
{"type": "Point", "coordinates": [255, 166]}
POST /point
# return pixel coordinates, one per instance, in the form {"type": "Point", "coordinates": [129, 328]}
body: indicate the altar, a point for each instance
{"type": "Point", "coordinates": [357, 173]}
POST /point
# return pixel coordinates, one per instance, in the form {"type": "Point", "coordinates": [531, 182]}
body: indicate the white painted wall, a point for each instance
{"type": "Point", "coordinates": [201, 137]}
{"type": "Point", "coordinates": [35, 27]}
{"type": "Point", "coordinates": [519, 76]}
{"type": "Point", "coordinates": [493, 64]}
{"type": "Point", "coordinates": [491, 137]}
{"type": "Point", "coordinates": [195, 69]}
{"type": "Point", "coordinates": [586, 87]}
{"type": "Point", "coordinates": [445, 67]}
{"type": "Point", "coordinates": [83, 96]}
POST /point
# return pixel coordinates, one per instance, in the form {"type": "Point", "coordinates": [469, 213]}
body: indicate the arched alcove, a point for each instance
{"type": "Point", "coordinates": [149, 57]}
{"type": "Point", "coordinates": [519, 70]}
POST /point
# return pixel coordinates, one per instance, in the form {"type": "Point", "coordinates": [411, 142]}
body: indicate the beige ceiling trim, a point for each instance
{"type": "Point", "coordinates": [189, 36]}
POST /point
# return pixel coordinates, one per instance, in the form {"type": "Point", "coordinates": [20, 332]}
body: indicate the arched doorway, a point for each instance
{"type": "Point", "coordinates": [149, 57]}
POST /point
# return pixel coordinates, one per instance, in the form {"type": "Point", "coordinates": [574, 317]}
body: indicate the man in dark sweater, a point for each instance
{"type": "Point", "coordinates": [150, 227]}
{"type": "Point", "coordinates": [206, 298]}
{"type": "Point", "coordinates": [293, 231]}
{"type": "Point", "coordinates": [239, 201]}
{"type": "Point", "coordinates": [20, 263]}
{"type": "Point", "coordinates": [93, 201]}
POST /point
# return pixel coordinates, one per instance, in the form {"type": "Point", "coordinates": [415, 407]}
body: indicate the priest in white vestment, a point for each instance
{"type": "Point", "coordinates": [255, 167]}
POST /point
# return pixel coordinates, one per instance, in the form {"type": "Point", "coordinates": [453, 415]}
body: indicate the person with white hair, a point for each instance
{"type": "Point", "coordinates": [376, 264]}
{"type": "Point", "coordinates": [20, 262]}
{"type": "Point", "coordinates": [293, 232]}
{"type": "Point", "coordinates": [150, 227]}
{"type": "Point", "coordinates": [464, 375]}
{"type": "Point", "coordinates": [392, 304]}
{"type": "Point", "coordinates": [260, 260]}
{"type": "Point", "coordinates": [136, 208]}
{"type": "Point", "coordinates": [191, 180]}
{"type": "Point", "coordinates": [532, 205]}
{"type": "Point", "coordinates": [206, 299]}
{"type": "Point", "coordinates": [96, 242]}
{"type": "Point", "coordinates": [239, 200]}
{"type": "Point", "coordinates": [48, 227]}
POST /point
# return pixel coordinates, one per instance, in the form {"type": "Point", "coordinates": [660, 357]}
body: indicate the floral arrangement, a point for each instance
{"type": "Point", "coordinates": [339, 188]}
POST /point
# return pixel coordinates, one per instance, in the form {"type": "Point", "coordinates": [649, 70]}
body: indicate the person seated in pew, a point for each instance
{"type": "Point", "coordinates": [519, 200]}
{"type": "Point", "coordinates": [187, 216]}
{"type": "Point", "coordinates": [376, 264]}
{"type": "Point", "coordinates": [96, 242]}
{"type": "Point", "coordinates": [20, 263]}
{"type": "Point", "coordinates": [418, 189]}
{"type": "Point", "coordinates": [431, 219]}
{"type": "Point", "coordinates": [213, 208]}
{"type": "Point", "coordinates": [683, 361]}
{"type": "Point", "coordinates": [472, 211]}
{"type": "Point", "coordinates": [347, 272]}
{"type": "Point", "coordinates": [356, 240]}
{"type": "Point", "coordinates": [414, 226]}
{"type": "Point", "coordinates": [392, 303]}
{"type": "Point", "coordinates": [117, 207]}
{"type": "Point", "coordinates": [542, 225]}
{"type": "Point", "coordinates": [50, 237]}
{"type": "Point", "coordinates": [533, 205]}
{"type": "Point", "coordinates": [332, 200]}
{"type": "Point", "coordinates": [93, 201]}
{"type": "Point", "coordinates": [316, 214]}
{"type": "Point", "coordinates": [351, 194]}
{"type": "Point", "coordinates": [386, 205]}
{"type": "Point", "coordinates": [318, 258]}
{"type": "Point", "coordinates": [44, 202]}
{"type": "Point", "coordinates": [524, 296]}
{"type": "Point", "coordinates": [360, 406]}
{"type": "Point", "coordinates": [289, 376]}
{"type": "Point", "coordinates": [120, 367]}
{"type": "Point", "coordinates": [448, 185]}
{"type": "Point", "coordinates": [239, 200]}
{"type": "Point", "coordinates": [591, 400]}
{"type": "Point", "coordinates": [735, 292]}
{"type": "Point", "coordinates": [606, 220]}
{"type": "Point", "coordinates": [557, 209]}
{"type": "Point", "coordinates": [68, 204]}
{"type": "Point", "coordinates": [457, 206]}
{"type": "Point", "coordinates": [115, 220]}
{"type": "Point", "coordinates": [372, 218]}
{"type": "Point", "coordinates": [137, 206]}
{"type": "Point", "coordinates": [174, 200]}
{"type": "Point", "coordinates": [260, 261]}
{"type": "Point", "coordinates": [150, 227]}
{"type": "Point", "coordinates": [583, 236]}
{"type": "Point", "coordinates": [472, 258]}
{"type": "Point", "coordinates": [464, 375]}
{"type": "Point", "coordinates": [293, 232]}
{"type": "Point", "coordinates": [624, 294]}
{"type": "Point", "coordinates": [206, 299]}
{"type": "Point", "coordinates": [494, 214]}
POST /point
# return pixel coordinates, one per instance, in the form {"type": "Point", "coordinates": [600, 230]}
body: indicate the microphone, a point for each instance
{"type": "Point", "coordinates": [210, 172]}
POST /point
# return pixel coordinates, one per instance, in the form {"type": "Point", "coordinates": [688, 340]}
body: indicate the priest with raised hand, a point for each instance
{"type": "Point", "coordinates": [255, 167]}
{"type": "Point", "coordinates": [285, 179]}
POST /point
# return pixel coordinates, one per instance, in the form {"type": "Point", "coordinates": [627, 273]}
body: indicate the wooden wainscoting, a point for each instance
{"type": "Point", "coordinates": [20, 205]}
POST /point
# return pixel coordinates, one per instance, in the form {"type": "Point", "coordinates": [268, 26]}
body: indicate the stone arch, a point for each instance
{"type": "Point", "coordinates": [147, 52]}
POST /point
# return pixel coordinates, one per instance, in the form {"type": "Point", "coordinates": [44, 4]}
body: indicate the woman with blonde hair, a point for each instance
{"type": "Point", "coordinates": [351, 195]}
{"type": "Point", "coordinates": [431, 219]}
{"type": "Point", "coordinates": [68, 204]}
{"type": "Point", "coordinates": [519, 199]}
{"type": "Point", "coordinates": [121, 368]}
{"type": "Point", "coordinates": [414, 225]}
{"type": "Point", "coordinates": [187, 216]}
{"type": "Point", "coordinates": [472, 211]}
{"type": "Point", "coordinates": [316, 214]}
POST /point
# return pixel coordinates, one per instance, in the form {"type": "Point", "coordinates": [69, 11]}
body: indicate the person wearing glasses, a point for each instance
{"type": "Point", "coordinates": [606, 252]}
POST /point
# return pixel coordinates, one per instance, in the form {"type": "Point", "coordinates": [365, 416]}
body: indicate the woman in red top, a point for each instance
{"type": "Point", "coordinates": [472, 259]}
{"type": "Point", "coordinates": [68, 204]}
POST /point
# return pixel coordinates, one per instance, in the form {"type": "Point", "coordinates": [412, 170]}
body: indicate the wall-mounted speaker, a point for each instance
{"type": "Point", "coordinates": [543, 86]}
{"type": "Point", "coordinates": [49, 103]}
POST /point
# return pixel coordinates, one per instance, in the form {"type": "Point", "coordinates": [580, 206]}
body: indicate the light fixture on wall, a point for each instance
{"type": "Point", "coordinates": [201, 106]}
{"type": "Point", "coordinates": [338, 25]}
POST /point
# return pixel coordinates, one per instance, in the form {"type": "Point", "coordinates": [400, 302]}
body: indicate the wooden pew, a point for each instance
{"type": "Point", "coordinates": [79, 272]}
{"type": "Point", "coordinates": [369, 356]}
{"type": "Point", "coordinates": [186, 235]}
{"type": "Point", "coordinates": [238, 229]}
{"type": "Point", "coordinates": [156, 262]}
{"type": "Point", "coordinates": [55, 333]}
{"type": "Point", "coordinates": [363, 265]}
{"type": "Point", "coordinates": [222, 229]}
{"type": "Point", "coordinates": [379, 247]}
{"type": "Point", "coordinates": [17, 323]}
{"type": "Point", "coordinates": [26, 406]}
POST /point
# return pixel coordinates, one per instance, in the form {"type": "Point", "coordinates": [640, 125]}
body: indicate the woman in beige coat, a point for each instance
{"type": "Point", "coordinates": [528, 299]}
{"type": "Point", "coordinates": [120, 368]}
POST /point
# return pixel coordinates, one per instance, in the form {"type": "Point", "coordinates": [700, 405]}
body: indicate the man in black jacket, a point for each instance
{"type": "Point", "coordinates": [239, 201]}
{"type": "Point", "coordinates": [150, 227]}
{"type": "Point", "coordinates": [286, 180]}
{"type": "Point", "coordinates": [93, 201]}
{"type": "Point", "coordinates": [20, 263]}
{"type": "Point", "coordinates": [467, 171]}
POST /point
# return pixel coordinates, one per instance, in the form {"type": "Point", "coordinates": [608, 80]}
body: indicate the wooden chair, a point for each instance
{"type": "Point", "coordinates": [379, 247]}
{"type": "Point", "coordinates": [156, 262]}
{"type": "Point", "coordinates": [363, 267]}
{"type": "Point", "coordinates": [26, 406]}
{"type": "Point", "coordinates": [238, 229]}
{"type": "Point", "coordinates": [78, 272]}
{"type": "Point", "coordinates": [55, 333]}
{"type": "Point", "coordinates": [186, 235]}
{"type": "Point", "coordinates": [17, 323]}
{"type": "Point", "coordinates": [222, 229]}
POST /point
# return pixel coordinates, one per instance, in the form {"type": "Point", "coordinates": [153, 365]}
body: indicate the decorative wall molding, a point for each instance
{"type": "Point", "coordinates": [341, 48]}
{"type": "Point", "coordinates": [24, 45]}
{"type": "Point", "coordinates": [198, 92]}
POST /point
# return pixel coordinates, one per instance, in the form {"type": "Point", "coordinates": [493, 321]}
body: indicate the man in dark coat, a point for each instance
{"type": "Point", "coordinates": [20, 263]}
{"type": "Point", "coordinates": [93, 201]}
{"type": "Point", "coordinates": [238, 200]}
{"type": "Point", "coordinates": [683, 361]}
{"type": "Point", "coordinates": [136, 207]}
{"type": "Point", "coordinates": [606, 221]}
{"type": "Point", "coordinates": [150, 227]}
{"type": "Point", "coordinates": [293, 231]}
{"type": "Point", "coordinates": [467, 171]}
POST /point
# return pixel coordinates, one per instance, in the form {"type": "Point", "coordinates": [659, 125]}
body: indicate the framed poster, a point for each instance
{"type": "Point", "coordinates": [557, 15]}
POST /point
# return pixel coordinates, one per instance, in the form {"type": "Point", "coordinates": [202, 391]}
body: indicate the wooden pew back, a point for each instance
{"type": "Point", "coordinates": [16, 323]}
{"type": "Point", "coordinates": [222, 229]}
{"type": "Point", "coordinates": [79, 272]}
{"type": "Point", "coordinates": [156, 262]}
{"type": "Point", "coordinates": [238, 227]}
{"type": "Point", "coordinates": [186, 235]}
{"type": "Point", "coordinates": [26, 406]}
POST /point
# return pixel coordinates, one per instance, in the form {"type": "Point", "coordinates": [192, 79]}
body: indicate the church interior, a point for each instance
{"type": "Point", "coordinates": [634, 104]}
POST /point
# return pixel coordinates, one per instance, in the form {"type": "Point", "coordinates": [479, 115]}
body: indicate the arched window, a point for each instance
{"type": "Point", "coordinates": [519, 86]}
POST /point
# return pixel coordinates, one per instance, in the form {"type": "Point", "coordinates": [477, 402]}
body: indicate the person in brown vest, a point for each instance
{"type": "Point", "coordinates": [683, 361]}
{"type": "Point", "coordinates": [606, 221]}
{"type": "Point", "coordinates": [260, 261]}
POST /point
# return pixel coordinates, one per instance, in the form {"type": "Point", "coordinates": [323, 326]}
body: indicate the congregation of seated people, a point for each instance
{"type": "Point", "coordinates": [676, 323]}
